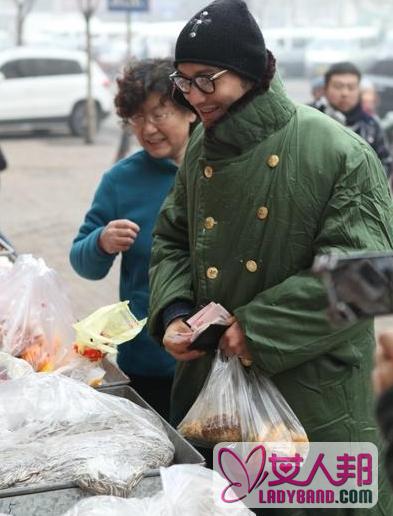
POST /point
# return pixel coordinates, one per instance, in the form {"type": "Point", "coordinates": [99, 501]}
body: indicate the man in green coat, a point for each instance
{"type": "Point", "coordinates": [264, 187]}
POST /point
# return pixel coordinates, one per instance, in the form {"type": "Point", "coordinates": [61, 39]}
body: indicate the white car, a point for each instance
{"type": "Point", "coordinates": [43, 86]}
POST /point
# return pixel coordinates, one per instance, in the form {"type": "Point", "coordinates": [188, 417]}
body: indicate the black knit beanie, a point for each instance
{"type": "Point", "coordinates": [224, 34]}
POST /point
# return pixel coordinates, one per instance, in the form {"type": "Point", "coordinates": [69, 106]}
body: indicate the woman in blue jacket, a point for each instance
{"type": "Point", "coordinates": [124, 209]}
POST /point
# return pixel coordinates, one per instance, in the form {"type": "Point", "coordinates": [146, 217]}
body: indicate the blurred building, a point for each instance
{"type": "Point", "coordinates": [272, 13]}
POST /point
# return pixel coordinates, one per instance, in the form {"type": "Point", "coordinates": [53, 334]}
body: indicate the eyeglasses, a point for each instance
{"type": "Point", "coordinates": [158, 118]}
{"type": "Point", "coordinates": [204, 83]}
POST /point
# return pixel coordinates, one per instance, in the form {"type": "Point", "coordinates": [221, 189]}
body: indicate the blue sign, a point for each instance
{"type": "Point", "coordinates": [128, 5]}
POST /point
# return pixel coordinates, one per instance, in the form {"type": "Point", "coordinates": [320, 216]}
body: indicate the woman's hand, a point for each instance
{"type": "Point", "coordinates": [177, 340]}
{"type": "Point", "coordinates": [118, 236]}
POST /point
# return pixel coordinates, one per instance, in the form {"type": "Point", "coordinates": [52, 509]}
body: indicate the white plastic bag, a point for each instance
{"type": "Point", "coordinates": [35, 314]}
{"type": "Point", "coordinates": [82, 369]}
{"type": "Point", "coordinates": [239, 404]}
{"type": "Point", "coordinates": [54, 429]}
{"type": "Point", "coordinates": [187, 490]}
{"type": "Point", "coordinates": [12, 368]}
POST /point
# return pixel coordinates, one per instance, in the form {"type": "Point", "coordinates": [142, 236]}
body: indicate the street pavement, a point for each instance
{"type": "Point", "coordinates": [46, 191]}
{"type": "Point", "coordinates": [44, 195]}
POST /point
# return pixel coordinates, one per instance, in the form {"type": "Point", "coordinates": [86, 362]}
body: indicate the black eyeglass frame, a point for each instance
{"type": "Point", "coordinates": [193, 81]}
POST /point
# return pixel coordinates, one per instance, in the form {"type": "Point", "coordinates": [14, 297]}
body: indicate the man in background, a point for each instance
{"type": "Point", "coordinates": [342, 101]}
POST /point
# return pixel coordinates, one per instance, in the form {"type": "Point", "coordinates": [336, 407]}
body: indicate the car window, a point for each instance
{"type": "Point", "coordinates": [59, 67]}
{"type": "Point", "coordinates": [11, 70]}
{"type": "Point", "coordinates": [37, 67]}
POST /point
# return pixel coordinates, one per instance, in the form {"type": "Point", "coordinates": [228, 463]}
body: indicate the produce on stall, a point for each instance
{"type": "Point", "coordinates": [35, 314]}
{"type": "Point", "coordinates": [239, 403]}
{"type": "Point", "coordinates": [54, 429]}
{"type": "Point", "coordinates": [187, 490]}
{"type": "Point", "coordinates": [36, 324]}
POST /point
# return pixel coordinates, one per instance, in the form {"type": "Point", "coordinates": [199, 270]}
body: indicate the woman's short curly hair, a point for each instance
{"type": "Point", "coordinates": [138, 80]}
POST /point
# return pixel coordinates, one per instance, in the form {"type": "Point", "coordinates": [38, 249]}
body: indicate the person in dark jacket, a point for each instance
{"type": "Point", "coordinates": [383, 386]}
{"type": "Point", "coordinates": [342, 101]}
{"type": "Point", "coordinates": [124, 209]}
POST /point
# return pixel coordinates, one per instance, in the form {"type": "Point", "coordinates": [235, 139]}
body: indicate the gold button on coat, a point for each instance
{"type": "Point", "coordinates": [209, 223]}
{"type": "Point", "coordinates": [273, 160]}
{"type": "Point", "coordinates": [251, 266]}
{"type": "Point", "coordinates": [262, 213]}
{"type": "Point", "coordinates": [208, 172]}
{"type": "Point", "coordinates": [212, 272]}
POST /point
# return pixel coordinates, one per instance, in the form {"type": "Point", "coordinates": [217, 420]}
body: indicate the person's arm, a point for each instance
{"type": "Point", "coordinates": [286, 325]}
{"type": "Point", "coordinates": [170, 266]}
{"type": "Point", "coordinates": [87, 258]}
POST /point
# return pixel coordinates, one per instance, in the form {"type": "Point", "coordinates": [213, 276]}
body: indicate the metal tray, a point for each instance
{"type": "Point", "coordinates": [54, 500]}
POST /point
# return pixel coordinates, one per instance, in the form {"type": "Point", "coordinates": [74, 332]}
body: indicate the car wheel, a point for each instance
{"type": "Point", "coordinates": [78, 119]}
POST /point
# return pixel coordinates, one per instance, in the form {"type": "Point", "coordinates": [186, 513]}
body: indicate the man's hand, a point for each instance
{"type": "Point", "coordinates": [177, 339]}
{"type": "Point", "coordinates": [233, 342]}
{"type": "Point", "coordinates": [118, 236]}
{"type": "Point", "coordinates": [383, 371]}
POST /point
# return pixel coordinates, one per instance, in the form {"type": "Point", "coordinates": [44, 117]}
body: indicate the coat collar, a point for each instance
{"type": "Point", "coordinates": [247, 124]}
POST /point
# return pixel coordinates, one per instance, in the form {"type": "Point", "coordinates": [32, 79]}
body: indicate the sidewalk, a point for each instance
{"type": "Point", "coordinates": [44, 195]}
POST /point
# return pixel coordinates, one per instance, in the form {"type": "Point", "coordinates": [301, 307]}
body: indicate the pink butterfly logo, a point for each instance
{"type": "Point", "coordinates": [243, 476]}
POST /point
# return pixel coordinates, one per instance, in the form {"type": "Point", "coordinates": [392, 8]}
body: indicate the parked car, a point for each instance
{"type": "Point", "coordinates": [40, 87]}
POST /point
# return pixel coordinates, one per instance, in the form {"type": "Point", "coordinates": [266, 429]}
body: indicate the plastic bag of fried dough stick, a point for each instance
{"type": "Point", "coordinates": [240, 404]}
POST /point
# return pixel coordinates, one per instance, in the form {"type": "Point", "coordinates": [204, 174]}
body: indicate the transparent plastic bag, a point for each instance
{"type": "Point", "coordinates": [186, 490]}
{"type": "Point", "coordinates": [82, 369]}
{"type": "Point", "coordinates": [35, 314]}
{"type": "Point", "coordinates": [239, 404]}
{"type": "Point", "coordinates": [12, 368]}
{"type": "Point", "coordinates": [115, 506]}
{"type": "Point", "coordinates": [54, 429]}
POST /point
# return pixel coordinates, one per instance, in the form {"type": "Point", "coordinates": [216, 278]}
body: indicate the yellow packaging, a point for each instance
{"type": "Point", "coordinates": [108, 327]}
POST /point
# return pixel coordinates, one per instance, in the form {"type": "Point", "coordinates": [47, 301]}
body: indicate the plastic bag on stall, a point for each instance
{"type": "Point", "coordinates": [97, 336]}
{"type": "Point", "coordinates": [35, 314]}
{"type": "Point", "coordinates": [115, 506]}
{"type": "Point", "coordinates": [55, 430]}
{"type": "Point", "coordinates": [240, 404]}
{"type": "Point", "coordinates": [186, 490]}
{"type": "Point", "coordinates": [107, 327]}
{"type": "Point", "coordinates": [11, 367]}
{"type": "Point", "coordinates": [5, 264]}
{"type": "Point", "coordinates": [82, 369]}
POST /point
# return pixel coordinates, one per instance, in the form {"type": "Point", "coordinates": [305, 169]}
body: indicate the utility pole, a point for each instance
{"type": "Point", "coordinates": [23, 7]}
{"type": "Point", "coordinates": [125, 137]}
{"type": "Point", "coordinates": [128, 6]}
{"type": "Point", "coordinates": [88, 8]}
